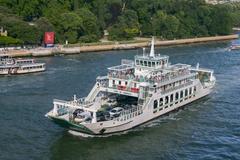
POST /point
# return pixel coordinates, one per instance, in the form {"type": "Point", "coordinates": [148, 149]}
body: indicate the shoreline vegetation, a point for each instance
{"type": "Point", "coordinates": [95, 47]}
{"type": "Point", "coordinates": [81, 21]}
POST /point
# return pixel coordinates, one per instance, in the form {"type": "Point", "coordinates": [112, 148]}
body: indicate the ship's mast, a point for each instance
{"type": "Point", "coordinates": [144, 51]}
{"type": "Point", "coordinates": [152, 54]}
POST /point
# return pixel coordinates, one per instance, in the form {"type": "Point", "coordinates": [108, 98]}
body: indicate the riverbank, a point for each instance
{"type": "Point", "coordinates": [75, 49]}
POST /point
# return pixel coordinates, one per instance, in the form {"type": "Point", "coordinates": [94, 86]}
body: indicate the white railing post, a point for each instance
{"type": "Point", "coordinates": [55, 112]}
{"type": "Point", "coordinates": [94, 120]}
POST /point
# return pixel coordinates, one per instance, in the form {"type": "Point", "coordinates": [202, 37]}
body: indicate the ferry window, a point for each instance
{"type": "Point", "coordinates": [141, 63]}
{"type": "Point", "coordinates": [137, 62]}
{"type": "Point", "coordinates": [135, 85]}
{"type": "Point", "coordinates": [181, 94]}
{"type": "Point", "coordinates": [171, 98]}
{"type": "Point", "coordinates": [126, 82]}
{"type": "Point", "coordinates": [113, 82]}
{"type": "Point", "coordinates": [153, 64]}
{"type": "Point", "coordinates": [190, 91]}
{"type": "Point", "coordinates": [149, 64]}
{"type": "Point", "coordinates": [195, 88]}
{"type": "Point", "coordinates": [119, 82]}
{"type": "Point", "coordinates": [145, 63]}
{"type": "Point", "coordinates": [186, 92]}
{"type": "Point", "coordinates": [166, 99]}
{"type": "Point", "coordinates": [161, 102]}
{"type": "Point", "coordinates": [157, 63]}
{"type": "Point", "coordinates": [163, 62]}
{"type": "Point", "coordinates": [176, 96]}
{"type": "Point", "coordinates": [155, 104]}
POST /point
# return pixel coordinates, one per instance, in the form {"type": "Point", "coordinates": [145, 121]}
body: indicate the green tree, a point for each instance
{"type": "Point", "coordinates": [126, 27]}
{"type": "Point", "coordinates": [9, 41]}
{"type": "Point", "coordinates": [69, 26]}
{"type": "Point", "coordinates": [85, 20]}
{"type": "Point", "coordinates": [19, 29]}
{"type": "Point", "coordinates": [222, 21]}
{"type": "Point", "coordinates": [89, 22]}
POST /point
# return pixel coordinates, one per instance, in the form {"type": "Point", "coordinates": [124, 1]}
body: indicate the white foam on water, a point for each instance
{"type": "Point", "coordinates": [84, 135]}
{"type": "Point", "coordinates": [73, 60]}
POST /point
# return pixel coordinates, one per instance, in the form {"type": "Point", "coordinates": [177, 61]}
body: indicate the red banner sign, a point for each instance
{"type": "Point", "coordinates": [49, 38]}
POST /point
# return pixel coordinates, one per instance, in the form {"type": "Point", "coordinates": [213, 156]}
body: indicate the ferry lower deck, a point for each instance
{"type": "Point", "coordinates": [133, 115]}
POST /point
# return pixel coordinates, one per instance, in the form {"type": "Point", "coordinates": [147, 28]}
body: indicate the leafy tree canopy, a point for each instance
{"type": "Point", "coordinates": [86, 20]}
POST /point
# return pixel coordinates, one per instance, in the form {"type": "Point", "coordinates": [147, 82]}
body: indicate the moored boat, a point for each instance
{"type": "Point", "coordinates": [235, 45]}
{"type": "Point", "coordinates": [11, 66]}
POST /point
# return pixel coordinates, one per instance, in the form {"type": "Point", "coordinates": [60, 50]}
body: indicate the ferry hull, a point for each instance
{"type": "Point", "coordinates": [116, 127]}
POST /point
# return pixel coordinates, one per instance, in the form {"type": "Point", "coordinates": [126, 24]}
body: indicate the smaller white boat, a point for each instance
{"type": "Point", "coordinates": [235, 45]}
{"type": "Point", "coordinates": [11, 66]}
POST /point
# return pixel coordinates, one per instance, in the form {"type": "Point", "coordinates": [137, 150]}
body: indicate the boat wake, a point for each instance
{"type": "Point", "coordinates": [161, 120]}
{"type": "Point", "coordinates": [84, 135]}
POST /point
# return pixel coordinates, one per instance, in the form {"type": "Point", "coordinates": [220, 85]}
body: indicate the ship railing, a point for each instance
{"type": "Point", "coordinates": [127, 61]}
{"type": "Point", "coordinates": [202, 69]}
{"type": "Point", "coordinates": [66, 107]}
{"type": "Point", "coordinates": [60, 101]}
{"type": "Point", "coordinates": [160, 79]}
{"type": "Point", "coordinates": [131, 77]}
{"type": "Point", "coordinates": [62, 107]}
{"type": "Point", "coordinates": [177, 87]}
{"type": "Point", "coordinates": [77, 103]}
{"type": "Point", "coordinates": [122, 76]}
{"type": "Point", "coordinates": [102, 81]}
{"type": "Point", "coordinates": [171, 78]}
{"type": "Point", "coordinates": [125, 88]}
{"type": "Point", "coordinates": [130, 113]}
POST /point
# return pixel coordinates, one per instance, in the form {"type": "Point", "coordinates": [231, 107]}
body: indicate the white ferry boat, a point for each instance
{"type": "Point", "coordinates": [133, 93]}
{"type": "Point", "coordinates": [10, 66]}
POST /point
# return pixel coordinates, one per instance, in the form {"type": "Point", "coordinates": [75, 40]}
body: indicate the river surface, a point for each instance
{"type": "Point", "coordinates": [206, 129]}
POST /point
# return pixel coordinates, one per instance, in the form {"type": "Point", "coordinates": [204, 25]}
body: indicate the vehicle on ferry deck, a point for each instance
{"type": "Point", "coordinates": [11, 66]}
{"type": "Point", "coordinates": [138, 90]}
{"type": "Point", "coordinates": [115, 112]}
